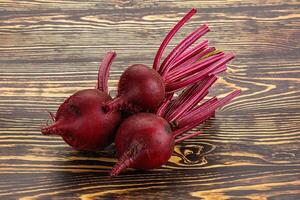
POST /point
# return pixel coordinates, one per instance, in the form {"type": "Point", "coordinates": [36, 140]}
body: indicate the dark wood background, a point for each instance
{"type": "Point", "coordinates": [50, 49]}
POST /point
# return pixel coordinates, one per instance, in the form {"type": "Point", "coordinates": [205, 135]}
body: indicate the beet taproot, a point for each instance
{"type": "Point", "coordinates": [81, 121]}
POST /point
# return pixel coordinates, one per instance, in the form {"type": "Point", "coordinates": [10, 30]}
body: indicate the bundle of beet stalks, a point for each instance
{"type": "Point", "coordinates": [146, 119]}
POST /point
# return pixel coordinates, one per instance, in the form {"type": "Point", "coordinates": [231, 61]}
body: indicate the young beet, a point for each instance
{"type": "Point", "coordinates": [146, 140]}
{"type": "Point", "coordinates": [81, 121]}
{"type": "Point", "coordinates": [139, 88]}
{"type": "Point", "coordinates": [142, 88]}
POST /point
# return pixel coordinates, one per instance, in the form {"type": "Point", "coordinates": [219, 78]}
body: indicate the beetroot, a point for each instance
{"type": "Point", "coordinates": [138, 81]}
{"type": "Point", "coordinates": [144, 89]}
{"type": "Point", "coordinates": [80, 119]}
{"type": "Point", "coordinates": [146, 140]}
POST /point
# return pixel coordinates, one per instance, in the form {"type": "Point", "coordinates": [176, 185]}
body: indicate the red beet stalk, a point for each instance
{"type": "Point", "coordinates": [169, 36]}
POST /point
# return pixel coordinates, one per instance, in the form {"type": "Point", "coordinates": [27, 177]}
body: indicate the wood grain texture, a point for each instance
{"type": "Point", "coordinates": [50, 49]}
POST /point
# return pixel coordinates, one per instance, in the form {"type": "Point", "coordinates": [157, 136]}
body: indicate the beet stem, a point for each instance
{"type": "Point", "coordinates": [200, 108]}
{"type": "Point", "coordinates": [190, 55]}
{"type": "Point", "coordinates": [191, 79]}
{"type": "Point", "coordinates": [180, 99]}
{"type": "Point", "coordinates": [192, 124]}
{"type": "Point", "coordinates": [182, 128]}
{"type": "Point", "coordinates": [181, 72]}
{"type": "Point", "coordinates": [103, 72]}
{"type": "Point", "coordinates": [193, 99]}
{"type": "Point", "coordinates": [219, 70]}
{"type": "Point", "coordinates": [199, 114]}
{"type": "Point", "coordinates": [188, 137]}
{"type": "Point", "coordinates": [191, 61]}
{"type": "Point", "coordinates": [164, 106]}
{"type": "Point", "coordinates": [202, 67]}
{"type": "Point", "coordinates": [114, 104]}
{"type": "Point", "coordinates": [180, 48]}
{"type": "Point", "coordinates": [191, 52]}
{"type": "Point", "coordinates": [169, 36]}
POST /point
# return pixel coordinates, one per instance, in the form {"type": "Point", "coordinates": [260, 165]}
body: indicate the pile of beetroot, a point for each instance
{"type": "Point", "coordinates": [154, 107]}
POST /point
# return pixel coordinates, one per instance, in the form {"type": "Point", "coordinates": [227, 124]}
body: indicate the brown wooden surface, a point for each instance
{"type": "Point", "coordinates": [50, 49]}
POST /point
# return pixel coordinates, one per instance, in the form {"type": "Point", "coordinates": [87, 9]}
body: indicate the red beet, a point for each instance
{"type": "Point", "coordinates": [146, 141]}
{"type": "Point", "coordinates": [81, 121]}
{"type": "Point", "coordinates": [144, 89]}
{"type": "Point", "coordinates": [139, 88]}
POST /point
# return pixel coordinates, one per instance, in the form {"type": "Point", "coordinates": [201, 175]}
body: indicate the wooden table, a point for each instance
{"type": "Point", "coordinates": [50, 49]}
